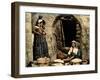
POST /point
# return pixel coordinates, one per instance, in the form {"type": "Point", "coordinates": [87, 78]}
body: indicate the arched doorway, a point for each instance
{"type": "Point", "coordinates": [69, 28]}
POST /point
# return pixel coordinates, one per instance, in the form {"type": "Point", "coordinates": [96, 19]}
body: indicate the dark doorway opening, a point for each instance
{"type": "Point", "coordinates": [69, 29]}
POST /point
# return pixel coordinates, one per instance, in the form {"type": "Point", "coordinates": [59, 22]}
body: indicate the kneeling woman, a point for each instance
{"type": "Point", "coordinates": [74, 52]}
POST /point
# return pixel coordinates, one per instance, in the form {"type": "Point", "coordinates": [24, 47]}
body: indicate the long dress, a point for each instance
{"type": "Point", "coordinates": [40, 47]}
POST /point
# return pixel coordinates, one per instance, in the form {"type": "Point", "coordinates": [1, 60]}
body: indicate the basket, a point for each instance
{"type": "Point", "coordinates": [43, 60]}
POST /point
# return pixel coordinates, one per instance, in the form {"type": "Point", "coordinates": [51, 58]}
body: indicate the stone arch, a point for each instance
{"type": "Point", "coordinates": [67, 28]}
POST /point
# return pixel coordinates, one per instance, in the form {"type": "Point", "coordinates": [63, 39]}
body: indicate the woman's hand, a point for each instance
{"type": "Point", "coordinates": [44, 33]}
{"type": "Point", "coordinates": [36, 32]}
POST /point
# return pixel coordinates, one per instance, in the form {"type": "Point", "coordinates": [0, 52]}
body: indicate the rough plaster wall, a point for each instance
{"type": "Point", "coordinates": [28, 30]}
{"type": "Point", "coordinates": [49, 18]}
{"type": "Point", "coordinates": [85, 24]}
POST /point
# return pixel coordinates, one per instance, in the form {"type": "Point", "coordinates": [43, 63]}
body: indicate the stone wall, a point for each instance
{"type": "Point", "coordinates": [28, 30]}
{"type": "Point", "coordinates": [85, 24]}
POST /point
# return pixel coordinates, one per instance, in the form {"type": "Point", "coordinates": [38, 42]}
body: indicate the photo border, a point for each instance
{"type": "Point", "coordinates": [15, 32]}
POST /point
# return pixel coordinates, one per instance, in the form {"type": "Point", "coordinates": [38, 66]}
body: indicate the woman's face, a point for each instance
{"type": "Point", "coordinates": [73, 44]}
{"type": "Point", "coordinates": [39, 24]}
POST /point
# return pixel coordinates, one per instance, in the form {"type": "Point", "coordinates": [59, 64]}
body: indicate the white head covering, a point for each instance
{"type": "Point", "coordinates": [74, 41]}
{"type": "Point", "coordinates": [40, 20]}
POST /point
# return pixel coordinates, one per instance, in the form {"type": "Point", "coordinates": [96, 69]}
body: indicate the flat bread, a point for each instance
{"type": "Point", "coordinates": [76, 60]}
{"type": "Point", "coordinates": [59, 61]}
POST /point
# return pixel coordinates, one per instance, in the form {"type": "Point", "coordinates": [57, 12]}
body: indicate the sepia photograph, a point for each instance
{"type": "Point", "coordinates": [56, 39]}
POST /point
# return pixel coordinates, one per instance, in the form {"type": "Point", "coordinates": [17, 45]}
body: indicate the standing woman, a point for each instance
{"type": "Point", "coordinates": [40, 47]}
